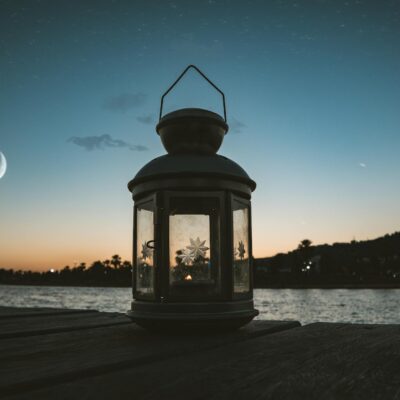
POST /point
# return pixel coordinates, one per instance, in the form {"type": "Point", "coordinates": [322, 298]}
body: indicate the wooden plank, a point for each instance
{"type": "Point", "coordinates": [28, 363]}
{"type": "Point", "coordinates": [13, 312]}
{"type": "Point", "coordinates": [318, 361]}
{"type": "Point", "coordinates": [33, 325]}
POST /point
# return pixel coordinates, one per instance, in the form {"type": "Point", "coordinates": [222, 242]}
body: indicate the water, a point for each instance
{"type": "Point", "coordinates": [371, 306]}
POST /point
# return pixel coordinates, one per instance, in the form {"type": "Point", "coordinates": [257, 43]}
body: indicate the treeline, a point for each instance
{"type": "Point", "coordinates": [112, 272]}
{"type": "Point", "coordinates": [370, 263]}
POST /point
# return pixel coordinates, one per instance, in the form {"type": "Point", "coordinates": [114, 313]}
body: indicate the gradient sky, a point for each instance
{"type": "Point", "coordinates": [313, 94]}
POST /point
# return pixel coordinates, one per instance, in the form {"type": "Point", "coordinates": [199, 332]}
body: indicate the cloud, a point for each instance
{"type": "Point", "coordinates": [362, 165]}
{"type": "Point", "coordinates": [125, 101]}
{"type": "Point", "coordinates": [100, 142]}
{"type": "Point", "coordinates": [145, 119]}
{"type": "Point", "coordinates": [235, 125]}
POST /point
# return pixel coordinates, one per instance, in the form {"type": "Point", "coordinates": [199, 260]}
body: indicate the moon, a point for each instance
{"type": "Point", "coordinates": [3, 164]}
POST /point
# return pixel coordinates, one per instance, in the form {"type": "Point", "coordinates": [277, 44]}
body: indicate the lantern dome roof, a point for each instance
{"type": "Point", "coordinates": [192, 165]}
{"type": "Point", "coordinates": [192, 130]}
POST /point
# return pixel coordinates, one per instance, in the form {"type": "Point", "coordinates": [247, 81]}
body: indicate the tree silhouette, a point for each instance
{"type": "Point", "coordinates": [127, 266]}
{"type": "Point", "coordinates": [115, 261]}
{"type": "Point", "coordinates": [304, 254]}
{"type": "Point", "coordinates": [304, 244]}
{"type": "Point", "coordinates": [81, 267]}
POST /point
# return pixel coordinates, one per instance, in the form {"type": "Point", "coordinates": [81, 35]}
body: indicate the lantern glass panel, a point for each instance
{"type": "Point", "coordinates": [241, 261]}
{"type": "Point", "coordinates": [144, 253]}
{"type": "Point", "coordinates": [194, 271]}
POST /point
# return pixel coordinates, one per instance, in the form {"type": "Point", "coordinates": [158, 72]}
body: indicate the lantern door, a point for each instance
{"type": "Point", "coordinates": [242, 249]}
{"type": "Point", "coordinates": [194, 246]}
{"type": "Point", "coordinates": [144, 276]}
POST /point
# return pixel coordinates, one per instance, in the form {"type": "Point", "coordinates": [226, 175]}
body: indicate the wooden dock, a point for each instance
{"type": "Point", "coordinates": [80, 354]}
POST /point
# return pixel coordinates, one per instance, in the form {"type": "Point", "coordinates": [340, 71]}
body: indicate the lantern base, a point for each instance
{"type": "Point", "coordinates": [192, 316]}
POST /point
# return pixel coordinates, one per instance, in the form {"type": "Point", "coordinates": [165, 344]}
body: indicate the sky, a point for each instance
{"type": "Point", "coordinates": [312, 91]}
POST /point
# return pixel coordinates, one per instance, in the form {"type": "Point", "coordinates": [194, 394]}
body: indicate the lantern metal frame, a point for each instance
{"type": "Point", "coordinates": [192, 171]}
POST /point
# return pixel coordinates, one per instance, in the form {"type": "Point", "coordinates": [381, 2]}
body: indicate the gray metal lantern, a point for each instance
{"type": "Point", "coordinates": [192, 228]}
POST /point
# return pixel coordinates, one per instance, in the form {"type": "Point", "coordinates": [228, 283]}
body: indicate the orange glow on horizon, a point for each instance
{"type": "Point", "coordinates": [41, 258]}
{"type": "Point", "coordinates": [32, 247]}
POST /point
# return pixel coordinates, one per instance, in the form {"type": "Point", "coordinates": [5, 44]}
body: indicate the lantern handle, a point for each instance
{"type": "Point", "coordinates": [150, 246]}
{"type": "Point", "coordinates": [180, 77]}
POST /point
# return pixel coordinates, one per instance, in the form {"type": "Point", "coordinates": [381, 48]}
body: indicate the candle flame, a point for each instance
{"type": "Point", "coordinates": [188, 277]}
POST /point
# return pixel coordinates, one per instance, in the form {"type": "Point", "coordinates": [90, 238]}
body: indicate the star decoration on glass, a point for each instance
{"type": "Point", "coordinates": [146, 251]}
{"type": "Point", "coordinates": [241, 250]}
{"type": "Point", "coordinates": [197, 248]}
{"type": "Point", "coordinates": [186, 256]}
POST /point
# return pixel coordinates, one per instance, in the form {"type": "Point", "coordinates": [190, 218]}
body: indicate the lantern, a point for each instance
{"type": "Point", "coordinates": [192, 228]}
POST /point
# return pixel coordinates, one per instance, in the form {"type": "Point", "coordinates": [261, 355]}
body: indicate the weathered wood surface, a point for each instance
{"type": "Point", "coordinates": [32, 325]}
{"type": "Point", "coordinates": [12, 312]}
{"type": "Point", "coordinates": [267, 359]}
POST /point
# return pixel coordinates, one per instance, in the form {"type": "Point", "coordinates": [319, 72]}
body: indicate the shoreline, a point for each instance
{"type": "Point", "coordinates": [276, 286]}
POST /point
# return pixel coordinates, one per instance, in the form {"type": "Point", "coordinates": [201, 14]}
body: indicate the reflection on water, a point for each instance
{"type": "Point", "coordinates": [305, 305]}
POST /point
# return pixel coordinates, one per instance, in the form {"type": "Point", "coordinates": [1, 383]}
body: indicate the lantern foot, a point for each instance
{"type": "Point", "coordinates": [216, 316]}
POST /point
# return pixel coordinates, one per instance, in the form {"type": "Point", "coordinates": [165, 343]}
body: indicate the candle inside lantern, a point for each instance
{"type": "Point", "coordinates": [188, 277]}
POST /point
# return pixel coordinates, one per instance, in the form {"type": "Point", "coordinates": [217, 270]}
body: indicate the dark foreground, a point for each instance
{"type": "Point", "coordinates": [77, 354]}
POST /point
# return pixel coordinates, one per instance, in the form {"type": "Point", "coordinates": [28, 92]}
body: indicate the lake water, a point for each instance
{"type": "Point", "coordinates": [381, 306]}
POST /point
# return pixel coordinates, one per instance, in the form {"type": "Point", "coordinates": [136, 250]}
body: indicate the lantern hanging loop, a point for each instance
{"type": "Point", "coordinates": [150, 244]}
{"type": "Point", "coordinates": [181, 76]}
